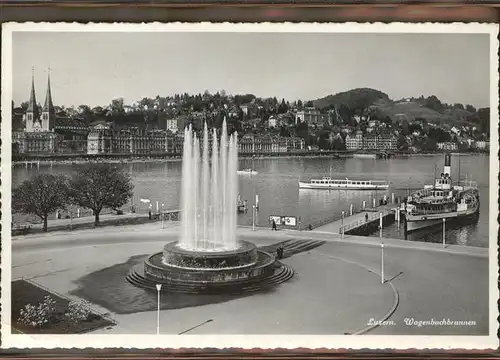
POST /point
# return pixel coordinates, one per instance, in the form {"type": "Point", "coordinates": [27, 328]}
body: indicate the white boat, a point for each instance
{"type": "Point", "coordinates": [346, 184]}
{"type": "Point", "coordinates": [441, 201]}
{"type": "Point", "coordinates": [247, 172]}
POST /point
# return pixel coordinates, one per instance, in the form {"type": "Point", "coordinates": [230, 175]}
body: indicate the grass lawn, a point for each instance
{"type": "Point", "coordinates": [24, 293]}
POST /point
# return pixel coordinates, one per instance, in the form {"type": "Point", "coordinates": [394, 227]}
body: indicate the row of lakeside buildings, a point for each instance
{"type": "Point", "coordinates": [45, 132]}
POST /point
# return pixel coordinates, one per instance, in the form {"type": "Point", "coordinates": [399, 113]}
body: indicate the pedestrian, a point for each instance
{"type": "Point", "coordinates": [149, 214]}
{"type": "Point", "coordinates": [366, 217]}
{"type": "Point", "coordinates": [279, 252]}
{"type": "Point", "coordinates": [310, 227]}
{"type": "Point", "coordinates": [274, 226]}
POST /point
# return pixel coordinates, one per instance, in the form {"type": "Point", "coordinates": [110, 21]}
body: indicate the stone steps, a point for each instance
{"type": "Point", "coordinates": [292, 247]}
{"type": "Point", "coordinates": [283, 273]}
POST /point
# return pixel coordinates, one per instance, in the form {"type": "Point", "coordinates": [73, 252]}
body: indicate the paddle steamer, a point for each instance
{"type": "Point", "coordinates": [442, 200]}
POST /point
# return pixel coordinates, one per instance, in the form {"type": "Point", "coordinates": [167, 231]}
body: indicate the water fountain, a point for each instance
{"type": "Point", "coordinates": [208, 257]}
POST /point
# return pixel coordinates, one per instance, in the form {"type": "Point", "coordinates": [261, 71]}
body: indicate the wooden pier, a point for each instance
{"type": "Point", "coordinates": [361, 224]}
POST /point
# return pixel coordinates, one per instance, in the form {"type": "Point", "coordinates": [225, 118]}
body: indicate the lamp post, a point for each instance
{"type": "Point", "coordinates": [253, 217]}
{"type": "Point", "coordinates": [444, 233]}
{"type": "Point", "coordinates": [71, 217]}
{"type": "Point", "coordinates": [382, 248]}
{"type": "Point", "coordinates": [342, 226]}
{"type": "Point", "coordinates": [382, 272]}
{"type": "Point", "coordinates": [162, 217]}
{"type": "Point", "coordinates": [158, 288]}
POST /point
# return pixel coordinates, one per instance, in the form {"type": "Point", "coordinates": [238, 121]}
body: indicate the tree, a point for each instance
{"type": "Point", "coordinates": [24, 105]}
{"type": "Point", "coordinates": [302, 130]}
{"type": "Point", "coordinates": [41, 196]}
{"type": "Point", "coordinates": [99, 186]}
{"type": "Point", "coordinates": [432, 102]}
{"type": "Point", "coordinates": [470, 108]}
{"type": "Point", "coordinates": [484, 120]}
{"type": "Point", "coordinates": [117, 106]}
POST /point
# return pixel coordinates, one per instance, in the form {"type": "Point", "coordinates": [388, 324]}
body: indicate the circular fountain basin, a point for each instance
{"type": "Point", "coordinates": [176, 265]}
{"type": "Point", "coordinates": [243, 256]}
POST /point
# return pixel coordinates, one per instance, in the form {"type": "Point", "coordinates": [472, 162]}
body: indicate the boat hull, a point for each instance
{"type": "Point", "coordinates": [418, 222]}
{"type": "Point", "coordinates": [303, 185]}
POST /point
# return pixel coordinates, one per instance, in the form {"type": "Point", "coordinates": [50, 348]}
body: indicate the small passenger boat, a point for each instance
{"type": "Point", "coordinates": [247, 172]}
{"type": "Point", "coordinates": [346, 184]}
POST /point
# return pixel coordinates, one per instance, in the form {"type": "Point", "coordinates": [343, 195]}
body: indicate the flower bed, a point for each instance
{"type": "Point", "coordinates": [49, 313]}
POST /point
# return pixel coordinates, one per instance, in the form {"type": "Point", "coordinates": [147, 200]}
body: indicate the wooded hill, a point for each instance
{"type": "Point", "coordinates": [366, 101]}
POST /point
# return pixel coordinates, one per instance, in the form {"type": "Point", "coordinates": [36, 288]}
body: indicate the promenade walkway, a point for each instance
{"type": "Point", "coordinates": [357, 219]}
{"type": "Point", "coordinates": [88, 222]}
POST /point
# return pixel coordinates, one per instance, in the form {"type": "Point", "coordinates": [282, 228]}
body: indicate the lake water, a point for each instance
{"type": "Point", "coordinates": [277, 186]}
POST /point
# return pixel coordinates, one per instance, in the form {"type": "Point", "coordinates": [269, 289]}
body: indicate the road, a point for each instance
{"type": "Point", "coordinates": [336, 289]}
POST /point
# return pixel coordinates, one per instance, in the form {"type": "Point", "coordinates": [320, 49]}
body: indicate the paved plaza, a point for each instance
{"type": "Point", "coordinates": [336, 289]}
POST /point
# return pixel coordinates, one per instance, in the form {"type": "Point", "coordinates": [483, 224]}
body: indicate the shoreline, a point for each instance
{"type": "Point", "coordinates": [177, 158]}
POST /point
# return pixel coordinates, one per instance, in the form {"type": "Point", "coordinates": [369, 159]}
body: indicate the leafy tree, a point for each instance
{"type": "Point", "coordinates": [303, 130]}
{"type": "Point", "coordinates": [402, 143]}
{"type": "Point", "coordinates": [24, 105]}
{"type": "Point", "coordinates": [470, 108]}
{"type": "Point", "coordinates": [41, 196]}
{"type": "Point", "coordinates": [99, 186]}
{"type": "Point", "coordinates": [484, 120]}
{"type": "Point", "coordinates": [338, 143]}
{"type": "Point", "coordinates": [283, 107]}
{"type": "Point", "coordinates": [432, 102]}
{"type": "Point", "coordinates": [117, 106]}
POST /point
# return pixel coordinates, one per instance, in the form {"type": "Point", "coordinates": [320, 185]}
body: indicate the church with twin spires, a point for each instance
{"type": "Point", "coordinates": [47, 132]}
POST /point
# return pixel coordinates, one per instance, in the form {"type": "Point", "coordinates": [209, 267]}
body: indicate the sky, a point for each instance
{"type": "Point", "coordinates": [93, 68]}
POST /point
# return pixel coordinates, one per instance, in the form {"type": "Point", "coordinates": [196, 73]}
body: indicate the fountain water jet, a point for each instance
{"type": "Point", "coordinates": [208, 256]}
{"type": "Point", "coordinates": [208, 223]}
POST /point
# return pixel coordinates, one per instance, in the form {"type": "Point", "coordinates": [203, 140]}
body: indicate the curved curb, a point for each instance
{"type": "Point", "coordinates": [395, 291]}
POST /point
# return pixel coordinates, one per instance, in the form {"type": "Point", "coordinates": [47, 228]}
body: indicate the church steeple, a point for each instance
{"type": "Point", "coordinates": [48, 106]}
{"type": "Point", "coordinates": [32, 105]}
{"type": "Point", "coordinates": [32, 112]}
{"type": "Point", "coordinates": [48, 110]}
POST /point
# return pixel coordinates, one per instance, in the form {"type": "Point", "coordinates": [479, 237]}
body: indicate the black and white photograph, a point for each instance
{"type": "Point", "coordinates": [249, 185]}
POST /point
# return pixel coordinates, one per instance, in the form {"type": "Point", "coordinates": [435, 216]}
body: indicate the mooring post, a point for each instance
{"type": "Point", "coordinates": [157, 207]}
{"type": "Point", "coordinates": [374, 202]}
{"type": "Point", "coordinates": [351, 209]}
{"type": "Point", "coordinates": [393, 198]}
{"type": "Point", "coordinates": [364, 204]}
{"type": "Point", "coordinates": [444, 233]}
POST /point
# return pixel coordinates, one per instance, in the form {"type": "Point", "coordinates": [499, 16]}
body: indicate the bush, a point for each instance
{"type": "Point", "coordinates": [38, 316]}
{"type": "Point", "coordinates": [78, 311]}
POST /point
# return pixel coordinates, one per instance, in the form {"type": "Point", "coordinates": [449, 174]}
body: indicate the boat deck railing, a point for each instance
{"type": "Point", "coordinates": [430, 212]}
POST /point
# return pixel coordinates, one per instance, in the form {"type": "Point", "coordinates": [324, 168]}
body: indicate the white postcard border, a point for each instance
{"type": "Point", "coordinates": [10, 340]}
